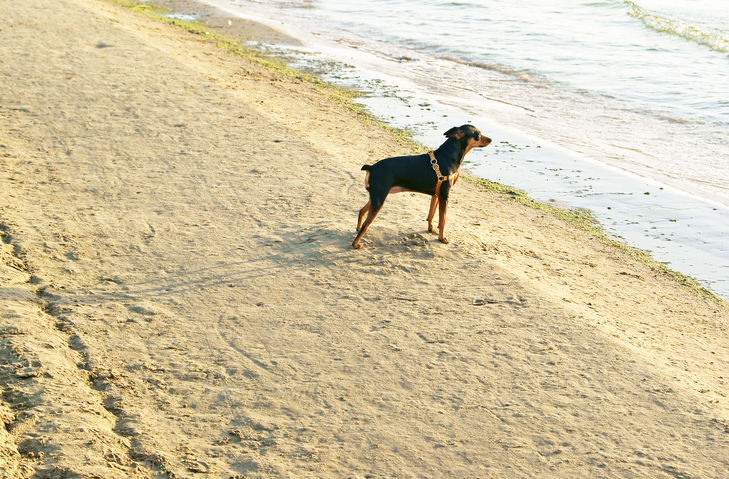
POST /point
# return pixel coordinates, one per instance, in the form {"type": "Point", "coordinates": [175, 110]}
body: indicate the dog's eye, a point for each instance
{"type": "Point", "coordinates": [477, 136]}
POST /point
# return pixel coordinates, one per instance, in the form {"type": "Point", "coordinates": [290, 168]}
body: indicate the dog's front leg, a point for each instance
{"type": "Point", "coordinates": [442, 207]}
{"type": "Point", "coordinates": [431, 212]}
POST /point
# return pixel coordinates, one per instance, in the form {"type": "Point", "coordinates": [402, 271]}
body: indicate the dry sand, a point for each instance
{"type": "Point", "coordinates": [179, 298]}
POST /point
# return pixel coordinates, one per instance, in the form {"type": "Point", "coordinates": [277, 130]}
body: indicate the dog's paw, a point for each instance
{"type": "Point", "coordinates": [443, 239]}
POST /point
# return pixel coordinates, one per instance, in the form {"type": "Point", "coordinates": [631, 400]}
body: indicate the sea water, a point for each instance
{"type": "Point", "coordinates": [616, 106]}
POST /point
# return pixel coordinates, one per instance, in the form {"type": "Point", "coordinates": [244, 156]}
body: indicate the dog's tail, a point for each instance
{"type": "Point", "coordinates": [367, 177]}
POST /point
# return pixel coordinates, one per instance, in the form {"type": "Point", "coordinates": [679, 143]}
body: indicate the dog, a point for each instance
{"type": "Point", "coordinates": [432, 173]}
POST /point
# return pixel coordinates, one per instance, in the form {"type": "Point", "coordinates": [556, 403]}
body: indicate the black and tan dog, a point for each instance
{"type": "Point", "coordinates": [432, 173]}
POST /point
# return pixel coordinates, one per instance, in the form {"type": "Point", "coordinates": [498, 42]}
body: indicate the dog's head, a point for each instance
{"type": "Point", "coordinates": [469, 135]}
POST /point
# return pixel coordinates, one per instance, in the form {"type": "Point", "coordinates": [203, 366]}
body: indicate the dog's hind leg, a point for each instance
{"type": "Point", "coordinates": [362, 213]}
{"type": "Point", "coordinates": [374, 209]}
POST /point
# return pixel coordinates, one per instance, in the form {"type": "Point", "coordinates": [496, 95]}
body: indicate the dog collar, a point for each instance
{"type": "Point", "coordinates": [441, 178]}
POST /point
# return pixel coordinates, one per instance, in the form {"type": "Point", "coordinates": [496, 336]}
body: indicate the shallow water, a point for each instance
{"type": "Point", "coordinates": [615, 106]}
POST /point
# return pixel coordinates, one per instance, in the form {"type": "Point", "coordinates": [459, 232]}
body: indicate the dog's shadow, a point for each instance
{"type": "Point", "coordinates": [314, 247]}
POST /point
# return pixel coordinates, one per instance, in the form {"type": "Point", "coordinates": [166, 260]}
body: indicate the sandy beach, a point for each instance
{"type": "Point", "coordinates": [179, 296]}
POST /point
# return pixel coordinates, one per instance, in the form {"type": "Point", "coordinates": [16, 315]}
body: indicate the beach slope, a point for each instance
{"type": "Point", "coordinates": [179, 297]}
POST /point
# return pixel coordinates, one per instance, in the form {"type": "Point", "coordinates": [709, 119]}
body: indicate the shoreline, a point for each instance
{"type": "Point", "coordinates": [179, 297]}
{"type": "Point", "coordinates": [688, 244]}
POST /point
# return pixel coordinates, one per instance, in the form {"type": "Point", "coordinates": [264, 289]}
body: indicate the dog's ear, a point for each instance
{"type": "Point", "coordinates": [454, 132]}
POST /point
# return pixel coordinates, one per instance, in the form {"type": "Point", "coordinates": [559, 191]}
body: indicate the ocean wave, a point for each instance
{"type": "Point", "coordinates": [714, 39]}
{"type": "Point", "coordinates": [518, 74]}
